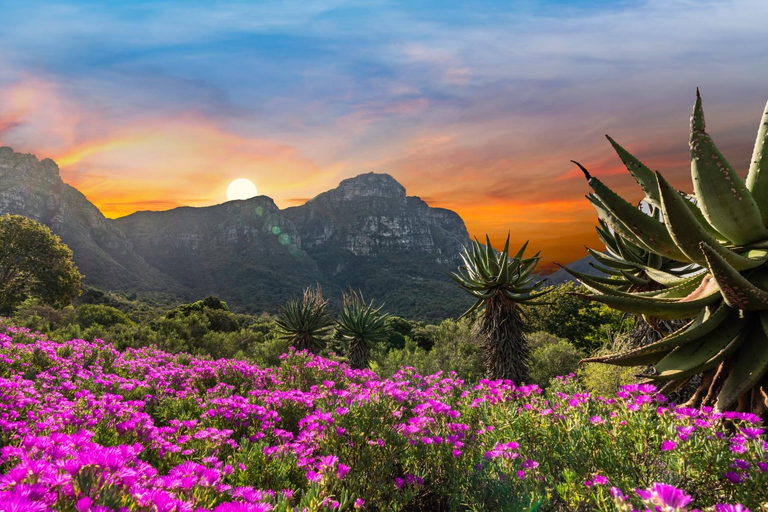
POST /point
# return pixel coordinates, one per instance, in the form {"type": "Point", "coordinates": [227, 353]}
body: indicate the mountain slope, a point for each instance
{"type": "Point", "coordinates": [34, 189]}
{"type": "Point", "coordinates": [245, 251]}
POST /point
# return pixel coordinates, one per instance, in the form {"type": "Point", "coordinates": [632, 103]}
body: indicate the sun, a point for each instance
{"type": "Point", "coordinates": [241, 188]}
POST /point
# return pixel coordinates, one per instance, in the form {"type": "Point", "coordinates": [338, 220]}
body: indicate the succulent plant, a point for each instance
{"type": "Point", "coordinates": [500, 283]}
{"type": "Point", "coordinates": [631, 268]}
{"type": "Point", "coordinates": [721, 231]}
{"type": "Point", "coordinates": [361, 327]}
{"type": "Point", "coordinates": [306, 323]}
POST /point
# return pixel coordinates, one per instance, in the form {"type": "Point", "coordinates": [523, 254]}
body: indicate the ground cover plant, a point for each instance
{"type": "Point", "coordinates": [86, 427]}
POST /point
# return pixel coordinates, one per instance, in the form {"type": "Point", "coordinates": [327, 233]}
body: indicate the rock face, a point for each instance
{"type": "Point", "coordinates": [243, 251]}
{"type": "Point", "coordinates": [370, 215]}
{"type": "Point", "coordinates": [365, 234]}
{"type": "Point", "coordinates": [368, 234]}
{"type": "Point", "coordinates": [102, 252]}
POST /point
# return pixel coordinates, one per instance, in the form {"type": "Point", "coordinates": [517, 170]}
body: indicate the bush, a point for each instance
{"type": "Point", "coordinates": [551, 357]}
{"type": "Point", "coordinates": [89, 315]}
{"type": "Point", "coordinates": [454, 347]}
{"type": "Point", "coordinates": [588, 325]}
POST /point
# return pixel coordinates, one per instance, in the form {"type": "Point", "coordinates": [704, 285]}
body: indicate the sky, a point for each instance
{"type": "Point", "coordinates": [473, 106]}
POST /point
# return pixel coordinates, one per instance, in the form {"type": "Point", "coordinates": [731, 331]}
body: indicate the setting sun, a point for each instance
{"type": "Point", "coordinates": [241, 188]}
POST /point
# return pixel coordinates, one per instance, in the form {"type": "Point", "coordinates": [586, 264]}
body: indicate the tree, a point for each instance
{"type": "Point", "coordinates": [500, 284]}
{"type": "Point", "coordinates": [34, 263]}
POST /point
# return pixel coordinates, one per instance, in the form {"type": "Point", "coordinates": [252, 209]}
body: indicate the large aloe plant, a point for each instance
{"type": "Point", "coordinates": [722, 233]}
{"type": "Point", "coordinates": [500, 283]}
{"type": "Point", "coordinates": [631, 268]}
{"type": "Point", "coordinates": [306, 323]}
{"type": "Point", "coordinates": [361, 326]}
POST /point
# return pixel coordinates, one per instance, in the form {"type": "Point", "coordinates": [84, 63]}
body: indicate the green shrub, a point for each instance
{"type": "Point", "coordinates": [551, 357]}
{"type": "Point", "coordinates": [96, 314]}
{"type": "Point", "coordinates": [455, 347]}
{"type": "Point", "coordinates": [605, 380]}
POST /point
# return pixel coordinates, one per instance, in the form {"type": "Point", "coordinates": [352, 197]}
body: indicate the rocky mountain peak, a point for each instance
{"type": "Point", "coordinates": [368, 185]}
{"type": "Point", "coordinates": [25, 167]}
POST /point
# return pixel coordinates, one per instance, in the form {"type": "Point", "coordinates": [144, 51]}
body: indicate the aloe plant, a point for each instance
{"type": "Point", "coordinates": [306, 323]}
{"type": "Point", "coordinates": [500, 283]}
{"type": "Point", "coordinates": [722, 234]}
{"type": "Point", "coordinates": [361, 327]}
{"type": "Point", "coordinates": [631, 268]}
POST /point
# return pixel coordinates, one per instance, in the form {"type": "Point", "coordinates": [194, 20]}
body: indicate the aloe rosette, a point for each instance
{"type": "Point", "coordinates": [361, 326]}
{"type": "Point", "coordinates": [628, 267]}
{"type": "Point", "coordinates": [500, 283]}
{"type": "Point", "coordinates": [720, 233]}
{"type": "Point", "coordinates": [306, 323]}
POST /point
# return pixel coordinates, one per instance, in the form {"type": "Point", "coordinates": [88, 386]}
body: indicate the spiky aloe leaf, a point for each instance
{"type": "Point", "coordinates": [738, 291]}
{"type": "Point", "coordinates": [305, 323]}
{"type": "Point", "coordinates": [688, 233]}
{"type": "Point", "coordinates": [708, 319]}
{"type": "Point", "coordinates": [757, 179]}
{"type": "Point", "coordinates": [361, 326]}
{"type": "Point", "coordinates": [642, 174]}
{"type": "Point", "coordinates": [650, 231]}
{"type": "Point", "coordinates": [725, 200]}
{"type": "Point", "coordinates": [486, 272]}
{"type": "Point", "coordinates": [749, 366]}
{"type": "Point", "coordinates": [704, 353]}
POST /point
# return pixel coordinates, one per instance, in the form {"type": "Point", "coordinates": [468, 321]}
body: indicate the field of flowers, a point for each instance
{"type": "Point", "coordinates": [85, 427]}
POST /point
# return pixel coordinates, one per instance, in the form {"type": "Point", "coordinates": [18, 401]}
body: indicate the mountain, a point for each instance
{"type": "Point", "coordinates": [583, 265]}
{"type": "Point", "coordinates": [102, 252]}
{"type": "Point", "coordinates": [366, 234]}
{"type": "Point", "coordinates": [246, 251]}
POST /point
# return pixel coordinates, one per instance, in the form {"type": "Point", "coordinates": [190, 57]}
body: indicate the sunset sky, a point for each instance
{"type": "Point", "coordinates": [477, 107]}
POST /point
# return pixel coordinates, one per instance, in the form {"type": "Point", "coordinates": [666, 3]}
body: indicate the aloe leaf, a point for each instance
{"type": "Point", "coordinates": [725, 200]}
{"type": "Point", "coordinates": [748, 367]}
{"type": "Point", "coordinates": [757, 178]}
{"type": "Point", "coordinates": [738, 291]}
{"type": "Point", "coordinates": [688, 233]}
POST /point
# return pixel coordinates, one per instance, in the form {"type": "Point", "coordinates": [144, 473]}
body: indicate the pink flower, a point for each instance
{"type": "Point", "coordinates": [668, 445]}
{"type": "Point", "coordinates": [342, 471]}
{"type": "Point", "coordinates": [664, 495]}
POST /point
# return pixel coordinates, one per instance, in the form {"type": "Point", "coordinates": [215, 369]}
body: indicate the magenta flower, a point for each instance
{"type": "Point", "coordinates": [668, 445]}
{"type": "Point", "coordinates": [342, 471]}
{"type": "Point", "coordinates": [731, 508]}
{"type": "Point", "coordinates": [664, 495]}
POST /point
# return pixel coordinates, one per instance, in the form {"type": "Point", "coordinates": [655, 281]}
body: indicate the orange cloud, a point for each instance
{"type": "Point", "coordinates": [153, 161]}
{"type": "Point", "coordinates": [149, 161]}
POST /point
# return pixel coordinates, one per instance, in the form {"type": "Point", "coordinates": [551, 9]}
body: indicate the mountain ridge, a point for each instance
{"type": "Point", "coordinates": [365, 234]}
